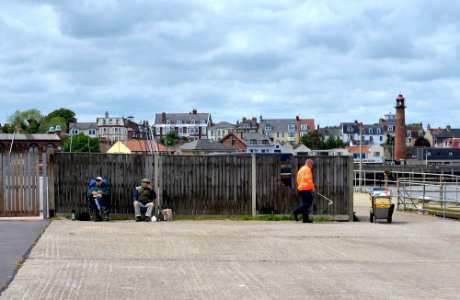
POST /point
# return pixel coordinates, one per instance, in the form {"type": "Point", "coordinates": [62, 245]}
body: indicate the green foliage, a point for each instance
{"type": "Point", "coordinates": [313, 140]}
{"type": "Point", "coordinates": [52, 122]}
{"type": "Point", "coordinates": [80, 143]}
{"type": "Point", "coordinates": [333, 143]}
{"type": "Point", "coordinates": [29, 120]}
{"type": "Point", "coordinates": [7, 128]}
{"type": "Point", "coordinates": [172, 138]}
{"type": "Point", "coordinates": [390, 140]}
{"type": "Point", "coordinates": [63, 116]}
{"type": "Point", "coordinates": [422, 142]}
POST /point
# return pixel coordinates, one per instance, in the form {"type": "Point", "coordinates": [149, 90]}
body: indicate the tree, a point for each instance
{"type": "Point", "coordinates": [172, 138]}
{"type": "Point", "coordinates": [390, 140]}
{"type": "Point", "coordinates": [29, 120]}
{"type": "Point", "coordinates": [62, 117]}
{"type": "Point", "coordinates": [80, 143]}
{"type": "Point", "coordinates": [52, 122]}
{"type": "Point", "coordinates": [333, 143]}
{"type": "Point", "coordinates": [313, 140]}
{"type": "Point", "coordinates": [422, 142]}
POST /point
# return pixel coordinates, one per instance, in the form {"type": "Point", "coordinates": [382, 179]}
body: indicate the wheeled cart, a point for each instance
{"type": "Point", "coordinates": [381, 206]}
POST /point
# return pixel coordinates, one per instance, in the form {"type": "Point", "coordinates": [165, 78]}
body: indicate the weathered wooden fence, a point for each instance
{"type": "Point", "coordinates": [205, 185]}
{"type": "Point", "coordinates": [19, 183]}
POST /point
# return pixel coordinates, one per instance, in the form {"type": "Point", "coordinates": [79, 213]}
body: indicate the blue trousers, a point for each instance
{"type": "Point", "coordinates": [307, 200]}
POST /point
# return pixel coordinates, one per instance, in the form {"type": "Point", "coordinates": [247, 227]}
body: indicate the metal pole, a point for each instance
{"type": "Point", "coordinates": [254, 185]}
{"type": "Point", "coordinates": [360, 154]}
{"type": "Point", "coordinates": [45, 187]}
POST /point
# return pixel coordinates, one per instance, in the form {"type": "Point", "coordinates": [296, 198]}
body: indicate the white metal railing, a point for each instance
{"type": "Point", "coordinates": [422, 192]}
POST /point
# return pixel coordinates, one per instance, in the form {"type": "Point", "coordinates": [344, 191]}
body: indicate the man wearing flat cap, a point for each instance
{"type": "Point", "coordinates": [143, 198]}
{"type": "Point", "coordinates": [98, 195]}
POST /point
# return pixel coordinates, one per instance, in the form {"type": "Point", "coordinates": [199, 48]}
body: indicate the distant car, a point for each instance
{"type": "Point", "coordinates": [389, 163]}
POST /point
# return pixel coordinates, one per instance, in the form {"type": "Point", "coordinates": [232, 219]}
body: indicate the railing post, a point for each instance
{"type": "Point", "coordinates": [350, 185]}
{"type": "Point", "coordinates": [50, 183]}
{"type": "Point", "coordinates": [254, 184]}
{"type": "Point", "coordinates": [156, 174]}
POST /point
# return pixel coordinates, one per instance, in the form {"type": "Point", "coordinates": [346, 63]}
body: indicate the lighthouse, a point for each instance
{"type": "Point", "coordinates": [400, 133]}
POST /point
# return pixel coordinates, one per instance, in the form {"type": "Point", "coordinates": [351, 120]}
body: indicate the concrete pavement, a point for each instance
{"type": "Point", "coordinates": [416, 257]}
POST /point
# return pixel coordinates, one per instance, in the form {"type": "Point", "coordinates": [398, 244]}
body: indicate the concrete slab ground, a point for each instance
{"type": "Point", "coordinates": [415, 257]}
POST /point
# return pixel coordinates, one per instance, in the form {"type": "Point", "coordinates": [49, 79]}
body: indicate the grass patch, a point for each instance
{"type": "Point", "coordinates": [269, 218]}
{"type": "Point", "coordinates": [20, 262]}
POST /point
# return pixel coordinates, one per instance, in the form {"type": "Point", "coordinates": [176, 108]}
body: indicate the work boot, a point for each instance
{"type": "Point", "coordinates": [138, 218]}
{"type": "Point", "coordinates": [295, 217]}
{"type": "Point", "coordinates": [97, 216]}
{"type": "Point", "coordinates": [147, 219]}
{"type": "Point", "coordinates": [306, 219]}
{"type": "Point", "coordinates": [105, 214]}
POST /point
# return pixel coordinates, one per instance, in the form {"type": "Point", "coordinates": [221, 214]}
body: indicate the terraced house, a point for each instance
{"type": "Point", "coordinates": [192, 125]}
{"type": "Point", "coordinates": [286, 130]}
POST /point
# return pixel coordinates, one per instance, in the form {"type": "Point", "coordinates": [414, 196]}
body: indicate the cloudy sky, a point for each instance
{"type": "Point", "coordinates": [333, 61]}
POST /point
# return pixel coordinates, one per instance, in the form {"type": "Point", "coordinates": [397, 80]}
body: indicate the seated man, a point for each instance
{"type": "Point", "coordinates": [143, 197]}
{"type": "Point", "coordinates": [97, 196]}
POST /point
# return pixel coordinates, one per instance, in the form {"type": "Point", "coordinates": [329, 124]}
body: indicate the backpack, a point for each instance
{"type": "Point", "coordinates": [84, 216]}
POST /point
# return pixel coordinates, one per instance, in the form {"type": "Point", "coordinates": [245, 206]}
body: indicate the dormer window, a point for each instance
{"type": "Point", "coordinates": [379, 131]}
{"type": "Point", "coordinates": [168, 121]}
{"type": "Point", "coordinates": [371, 131]}
{"type": "Point", "coordinates": [192, 121]}
{"type": "Point", "coordinates": [202, 121]}
{"type": "Point", "coordinates": [268, 127]}
{"type": "Point", "coordinates": [179, 122]}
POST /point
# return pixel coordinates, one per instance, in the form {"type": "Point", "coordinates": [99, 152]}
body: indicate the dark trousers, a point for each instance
{"type": "Point", "coordinates": [307, 200]}
{"type": "Point", "coordinates": [99, 207]}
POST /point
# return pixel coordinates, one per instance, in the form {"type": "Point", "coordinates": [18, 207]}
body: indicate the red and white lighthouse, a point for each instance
{"type": "Point", "coordinates": [400, 132]}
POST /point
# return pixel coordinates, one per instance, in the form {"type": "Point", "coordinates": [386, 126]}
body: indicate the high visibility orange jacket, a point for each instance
{"type": "Point", "coordinates": [305, 179]}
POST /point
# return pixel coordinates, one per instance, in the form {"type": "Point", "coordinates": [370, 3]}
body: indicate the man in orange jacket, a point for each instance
{"type": "Point", "coordinates": [306, 188]}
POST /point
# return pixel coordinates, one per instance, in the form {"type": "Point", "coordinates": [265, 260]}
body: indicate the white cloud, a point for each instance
{"type": "Point", "coordinates": [331, 60]}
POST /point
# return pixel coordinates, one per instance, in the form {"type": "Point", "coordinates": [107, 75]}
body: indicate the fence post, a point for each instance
{"type": "Point", "coordinates": [350, 188]}
{"type": "Point", "coordinates": [157, 180]}
{"type": "Point", "coordinates": [51, 201]}
{"type": "Point", "coordinates": [44, 187]}
{"type": "Point", "coordinates": [2, 188]}
{"type": "Point", "coordinates": [254, 185]}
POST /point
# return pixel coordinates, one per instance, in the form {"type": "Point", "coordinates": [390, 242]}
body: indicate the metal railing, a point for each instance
{"type": "Point", "coordinates": [426, 193]}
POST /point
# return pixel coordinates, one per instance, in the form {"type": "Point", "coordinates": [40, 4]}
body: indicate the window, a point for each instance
{"type": "Point", "coordinates": [192, 121]}
{"type": "Point", "coordinates": [253, 142]}
{"type": "Point", "coordinates": [420, 133]}
{"type": "Point", "coordinates": [181, 130]}
{"type": "Point", "coordinates": [203, 130]}
{"type": "Point", "coordinates": [191, 130]}
{"type": "Point", "coordinates": [118, 121]}
{"type": "Point", "coordinates": [303, 126]}
{"type": "Point", "coordinates": [371, 131]}
{"type": "Point", "coordinates": [376, 154]}
{"type": "Point", "coordinates": [381, 138]}
{"type": "Point", "coordinates": [168, 121]}
{"type": "Point", "coordinates": [390, 128]}
{"type": "Point", "coordinates": [277, 134]}
{"type": "Point", "coordinates": [379, 131]}
{"type": "Point", "coordinates": [268, 127]}
{"type": "Point", "coordinates": [409, 133]}
{"type": "Point", "coordinates": [302, 134]}
{"type": "Point", "coordinates": [180, 122]}
{"type": "Point", "coordinates": [291, 134]}
{"type": "Point", "coordinates": [110, 121]}
{"type": "Point", "coordinates": [103, 121]}
{"type": "Point", "coordinates": [282, 134]}
{"type": "Point", "coordinates": [212, 132]}
{"type": "Point", "coordinates": [291, 127]}
{"type": "Point", "coordinates": [202, 121]}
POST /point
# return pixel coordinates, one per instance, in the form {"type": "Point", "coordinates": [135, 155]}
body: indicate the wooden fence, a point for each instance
{"type": "Point", "coordinates": [204, 185]}
{"type": "Point", "coordinates": [19, 183]}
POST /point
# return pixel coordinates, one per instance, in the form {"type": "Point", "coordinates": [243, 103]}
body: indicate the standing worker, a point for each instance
{"type": "Point", "coordinates": [306, 188]}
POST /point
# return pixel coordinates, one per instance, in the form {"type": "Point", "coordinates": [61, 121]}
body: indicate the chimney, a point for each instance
{"type": "Point", "coordinates": [448, 127]}
{"type": "Point", "coordinates": [106, 114]}
{"type": "Point", "coordinates": [194, 111]}
{"type": "Point", "coordinates": [260, 118]}
{"type": "Point", "coordinates": [297, 118]}
{"type": "Point", "coordinates": [17, 128]}
{"type": "Point", "coordinates": [163, 118]}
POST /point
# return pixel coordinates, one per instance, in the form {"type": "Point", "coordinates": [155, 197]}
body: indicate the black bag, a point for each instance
{"type": "Point", "coordinates": [84, 216]}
